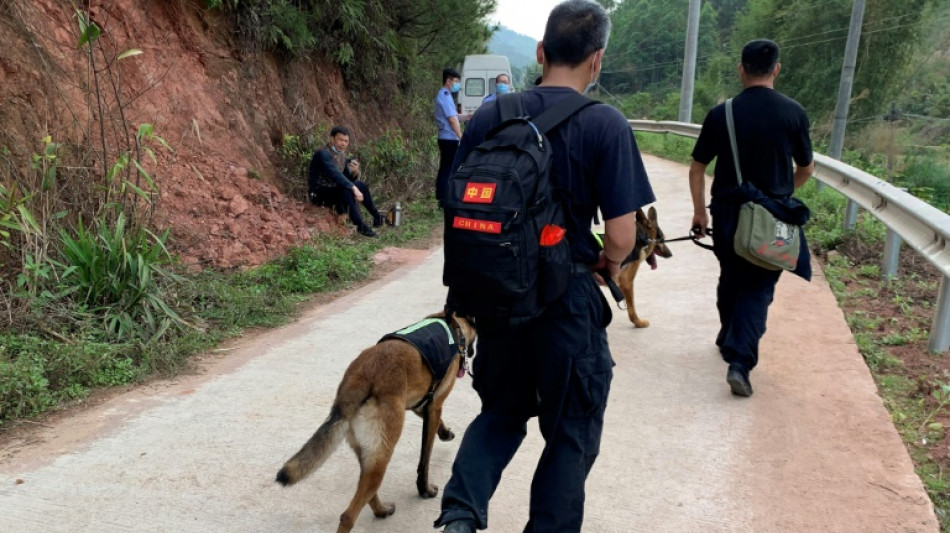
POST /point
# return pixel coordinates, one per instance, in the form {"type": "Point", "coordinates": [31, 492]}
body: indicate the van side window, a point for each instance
{"type": "Point", "coordinates": [475, 87]}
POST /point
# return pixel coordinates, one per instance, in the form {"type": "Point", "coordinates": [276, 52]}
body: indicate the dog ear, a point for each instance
{"type": "Point", "coordinates": [464, 320]}
{"type": "Point", "coordinates": [652, 214]}
{"type": "Point", "coordinates": [640, 216]}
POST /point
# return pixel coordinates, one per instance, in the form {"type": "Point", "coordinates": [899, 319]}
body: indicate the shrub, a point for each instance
{"type": "Point", "coordinates": [399, 165]}
{"type": "Point", "coordinates": [118, 276]}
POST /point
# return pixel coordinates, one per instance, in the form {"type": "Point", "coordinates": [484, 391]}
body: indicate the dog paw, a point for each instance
{"type": "Point", "coordinates": [384, 510]}
{"type": "Point", "coordinates": [641, 323]}
{"type": "Point", "coordinates": [428, 491]}
{"type": "Point", "coordinates": [445, 434]}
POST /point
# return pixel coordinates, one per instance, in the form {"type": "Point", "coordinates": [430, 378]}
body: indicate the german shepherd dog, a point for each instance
{"type": "Point", "coordinates": [379, 386]}
{"type": "Point", "coordinates": [649, 245]}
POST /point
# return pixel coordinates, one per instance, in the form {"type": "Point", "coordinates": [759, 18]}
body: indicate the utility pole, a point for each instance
{"type": "Point", "coordinates": [844, 97]}
{"type": "Point", "coordinates": [689, 61]}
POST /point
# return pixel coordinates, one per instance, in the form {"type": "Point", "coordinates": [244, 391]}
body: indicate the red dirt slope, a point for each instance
{"type": "Point", "coordinates": [222, 111]}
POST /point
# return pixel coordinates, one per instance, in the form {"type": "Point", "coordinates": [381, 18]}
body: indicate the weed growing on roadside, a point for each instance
{"type": "Point", "coordinates": [119, 275]}
{"type": "Point", "coordinates": [38, 373]}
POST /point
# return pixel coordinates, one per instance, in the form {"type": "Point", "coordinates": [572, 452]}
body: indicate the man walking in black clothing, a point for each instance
{"type": "Point", "coordinates": [332, 180]}
{"type": "Point", "coordinates": [558, 367]}
{"type": "Point", "coordinates": [775, 156]}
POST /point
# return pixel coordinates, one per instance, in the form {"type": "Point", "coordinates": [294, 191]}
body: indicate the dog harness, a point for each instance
{"type": "Point", "coordinates": [433, 339]}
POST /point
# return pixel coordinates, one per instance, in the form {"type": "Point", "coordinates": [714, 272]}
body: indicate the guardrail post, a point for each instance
{"type": "Point", "coordinates": [892, 250]}
{"type": "Point", "coordinates": [940, 330]}
{"type": "Point", "coordinates": [851, 215]}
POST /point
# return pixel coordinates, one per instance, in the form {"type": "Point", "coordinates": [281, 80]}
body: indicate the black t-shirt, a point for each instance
{"type": "Point", "coordinates": [595, 158]}
{"type": "Point", "coordinates": [771, 132]}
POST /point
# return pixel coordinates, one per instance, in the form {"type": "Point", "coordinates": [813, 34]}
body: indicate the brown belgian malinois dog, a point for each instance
{"type": "Point", "coordinates": [649, 245]}
{"type": "Point", "coordinates": [377, 389]}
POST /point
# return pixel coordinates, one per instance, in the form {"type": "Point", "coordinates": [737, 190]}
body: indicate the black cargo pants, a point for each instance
{"type": "Point", "coordinates": [559, 369]}
{"type": "Point", "coordinates": [743, 295]}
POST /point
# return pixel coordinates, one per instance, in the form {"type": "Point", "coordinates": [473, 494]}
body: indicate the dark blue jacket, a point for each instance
{"type": "Point", "coordinates": [323, 171]}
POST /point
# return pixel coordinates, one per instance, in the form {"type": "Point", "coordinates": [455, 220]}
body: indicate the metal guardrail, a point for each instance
{"type": "Point", "coordinates": [925, 228]}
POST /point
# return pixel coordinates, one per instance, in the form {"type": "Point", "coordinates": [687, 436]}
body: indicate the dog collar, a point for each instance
{"type": "Point", "coordinates": [466, 361]}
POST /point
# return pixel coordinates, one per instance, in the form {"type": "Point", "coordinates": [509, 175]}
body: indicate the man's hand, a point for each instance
{"type": "Point", "coordinates": [354, 167]}
{"type": "Point", "coordinates": [357, 194]}
{"type": "Point", "coordinates": [702, 221]}
{"type": "Point", "coordinates": [604, 263]}
{"type": "Point", "coordinates": [697, 191]}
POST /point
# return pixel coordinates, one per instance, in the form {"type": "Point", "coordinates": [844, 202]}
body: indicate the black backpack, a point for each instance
{"type": "Point", "coordinates": [507, 256]}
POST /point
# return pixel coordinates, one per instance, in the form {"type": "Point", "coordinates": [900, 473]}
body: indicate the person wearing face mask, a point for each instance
{"type": "Point", "coordinates": [557, 367]}
{"type": "Point", "coordinates": [502, 86]}
{"type": "Point", "coordinates": [332, 180]}
{"type": "Point", "coordinates": [450, 129]}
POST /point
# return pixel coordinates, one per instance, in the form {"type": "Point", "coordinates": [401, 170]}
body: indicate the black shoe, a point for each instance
{"type": "Point", "coordinates": [738, 380]}
{"type": "Point", "coordinates": [460, 526]}
{"type": "Point", "coordinates": [377, 220]}
{"type": "Point", "coordinates": [367, 231]}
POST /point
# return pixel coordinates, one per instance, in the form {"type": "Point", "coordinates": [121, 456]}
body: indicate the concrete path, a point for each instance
{"type": "Point", "coordinates": [812, 450]}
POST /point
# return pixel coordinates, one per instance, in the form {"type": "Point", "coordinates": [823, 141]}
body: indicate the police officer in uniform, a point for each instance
{"type": "Point", "coordinates": [450, 129]}
{"type": "Point", "coordinates": [558, 367]}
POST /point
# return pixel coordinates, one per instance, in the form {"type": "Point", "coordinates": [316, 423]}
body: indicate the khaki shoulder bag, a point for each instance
{"type": "Point", "coordinates": [761, 239]}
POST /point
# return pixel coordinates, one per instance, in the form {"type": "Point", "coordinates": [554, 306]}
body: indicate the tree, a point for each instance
{"type": "Point", "coordinates": [812, 38]}
{"type": "Point", "coordinates": [379, 44]}
{"type": "Point", "coordinates": [648, 41]}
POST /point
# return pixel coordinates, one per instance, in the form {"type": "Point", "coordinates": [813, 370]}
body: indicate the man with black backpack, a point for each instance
{"type": "Point", "coordinates": [520, 257]}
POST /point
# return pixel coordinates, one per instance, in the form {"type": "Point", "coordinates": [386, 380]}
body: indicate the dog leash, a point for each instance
{"type": "Point", "coordinates": [605, 274]}
{"type": "Point", "coordinates": [693, 236]}
{"type": "Point", "coordinates": [612, 285]}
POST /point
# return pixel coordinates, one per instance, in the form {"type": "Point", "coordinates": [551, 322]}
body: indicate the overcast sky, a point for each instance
{"type": "Point", "coordinates": [525, 16]}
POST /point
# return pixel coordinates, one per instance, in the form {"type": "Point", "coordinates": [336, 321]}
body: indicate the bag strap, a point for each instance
{"type": "Point", "coordinates": [511, 106]}
{"type": "Point", "coordinates": [564, 110]}
{"type": "Point", "coordinates": [731, 126]}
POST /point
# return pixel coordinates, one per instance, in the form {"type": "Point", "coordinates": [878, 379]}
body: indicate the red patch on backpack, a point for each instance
{"type": "Point", "coordinates": [479, 193]}
{"type": "Point", "coordinates": [472, 224]}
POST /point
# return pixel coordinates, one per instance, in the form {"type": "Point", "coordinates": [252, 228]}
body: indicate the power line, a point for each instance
{"type": "Point", "coordinates": [870, 32]}
{"type": "Point", "coordinates": [786, 43]}
{"type": "Point", "coordinates": [784, 46]}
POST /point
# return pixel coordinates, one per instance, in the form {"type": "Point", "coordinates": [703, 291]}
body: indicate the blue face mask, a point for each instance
{"type": "Point", "coordinates": [501, 88]}
{"type": "Point", "coordinates": [456, 86]}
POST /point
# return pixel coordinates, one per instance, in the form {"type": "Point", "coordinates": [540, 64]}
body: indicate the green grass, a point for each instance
{"type": "Point", "coordinates": [39, 372]}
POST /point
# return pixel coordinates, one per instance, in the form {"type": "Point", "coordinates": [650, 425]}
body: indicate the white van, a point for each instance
{"type": "Point", "coordinates": [478, 79]}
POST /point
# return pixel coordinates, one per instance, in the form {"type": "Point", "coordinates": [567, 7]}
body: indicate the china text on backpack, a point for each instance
{"type": "Point", "coordinates": [506, 255]}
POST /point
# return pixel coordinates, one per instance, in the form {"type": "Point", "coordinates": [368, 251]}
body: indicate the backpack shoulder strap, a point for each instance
{"type": "Point", "coordinates": [509, 106]}
{"type": "Point", "coordinates": [551, 118]}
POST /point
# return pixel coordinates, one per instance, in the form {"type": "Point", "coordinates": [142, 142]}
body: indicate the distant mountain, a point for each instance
{"type": "Point", "coordinates": [519, 48]}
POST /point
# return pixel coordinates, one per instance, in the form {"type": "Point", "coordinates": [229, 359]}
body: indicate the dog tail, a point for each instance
{"type": "Point", "coordinates": [326, 439]}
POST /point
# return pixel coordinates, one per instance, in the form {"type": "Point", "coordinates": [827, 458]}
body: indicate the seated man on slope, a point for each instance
{"type": "Point", "coordinates": [332, 181]}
